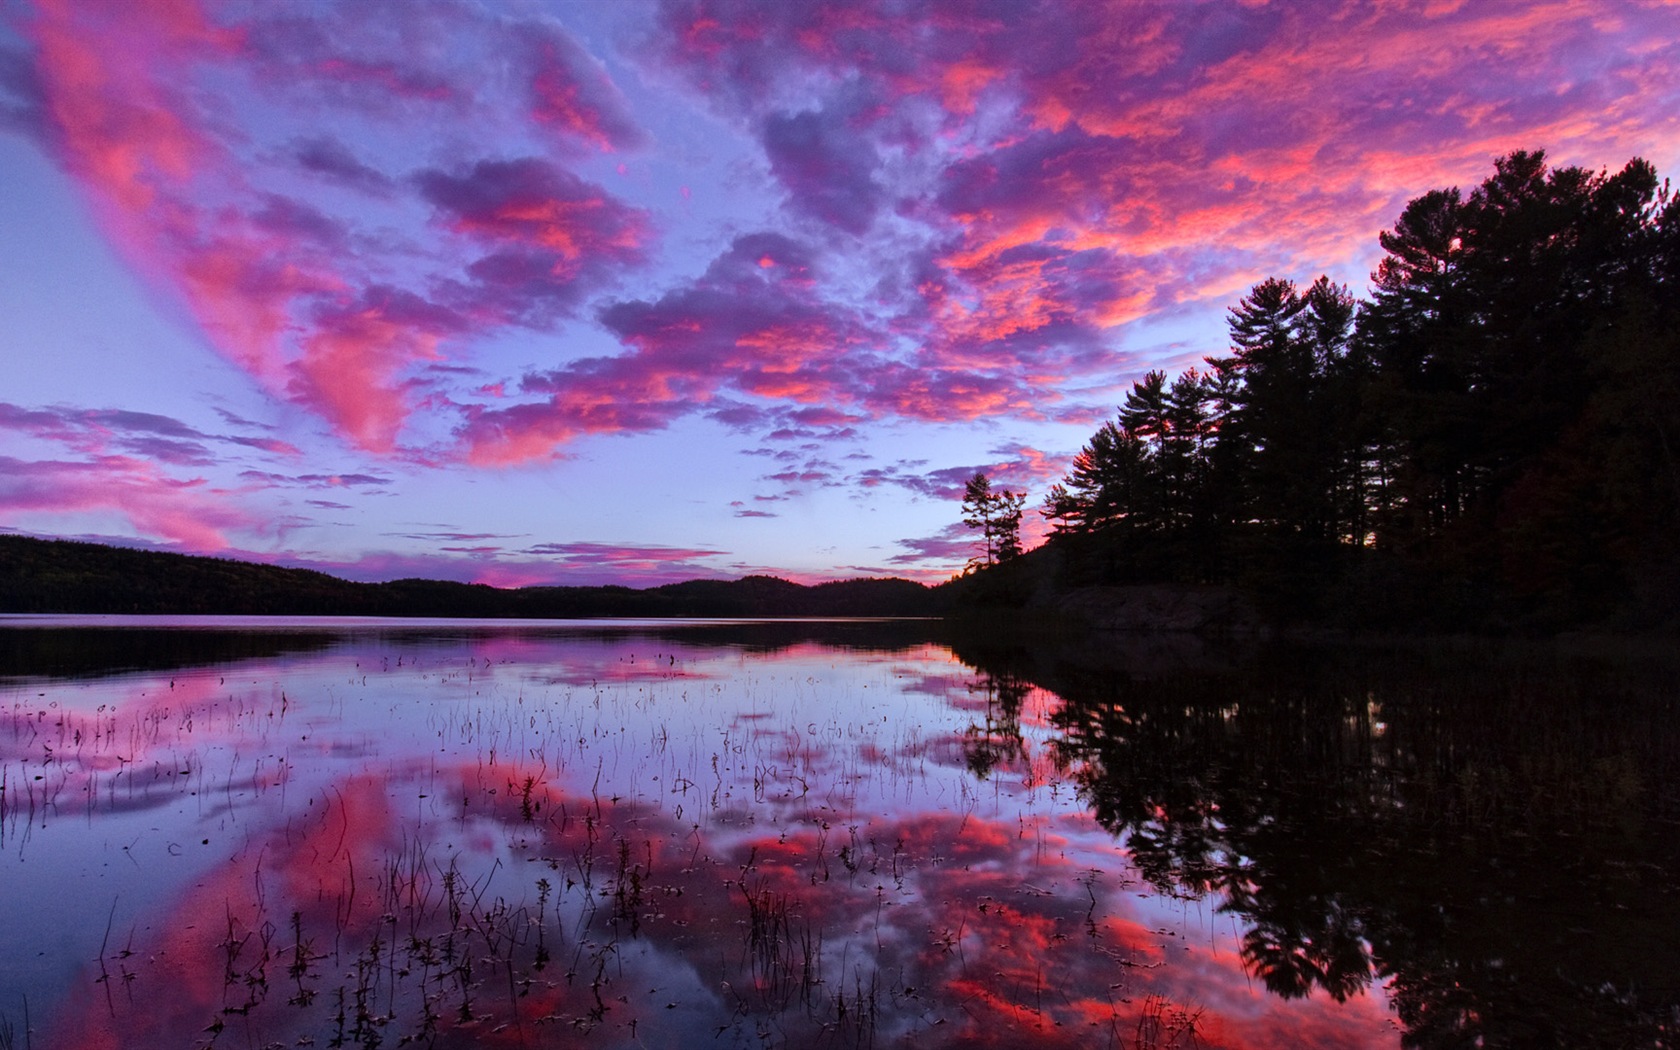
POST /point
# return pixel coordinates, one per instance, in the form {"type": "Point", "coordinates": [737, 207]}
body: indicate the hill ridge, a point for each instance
{"type": "Point", "coordinates": [74, 576]}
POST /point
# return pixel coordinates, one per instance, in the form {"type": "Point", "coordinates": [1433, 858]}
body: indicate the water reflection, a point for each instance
{"type": "Point", "coordinates": [62, 650]}
{"type": "Point", "coordinates": [831, 835]}
{"type": "Point", "coordinates": [1490, 832]}
{"type": "Point", "coordinates": [93, 646]}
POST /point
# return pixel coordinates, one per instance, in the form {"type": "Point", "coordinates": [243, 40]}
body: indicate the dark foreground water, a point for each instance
{"type": "Point", "coordinates": [264, 833]}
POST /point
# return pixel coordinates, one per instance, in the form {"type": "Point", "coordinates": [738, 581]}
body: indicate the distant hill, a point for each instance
{"type": "Point", "coordinates": [63, 576]}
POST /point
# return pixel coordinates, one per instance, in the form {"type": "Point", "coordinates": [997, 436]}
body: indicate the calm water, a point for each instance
{"type": "Point", "coordinates": [265, 833]}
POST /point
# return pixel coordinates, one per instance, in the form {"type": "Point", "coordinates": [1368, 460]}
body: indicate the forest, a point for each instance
{"type": "Point", "coordinates": [64, 576]}
{"type": "Point", "coordinates": [1487, 440]}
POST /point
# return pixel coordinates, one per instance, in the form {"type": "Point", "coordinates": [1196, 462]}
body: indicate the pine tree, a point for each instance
{"type": "Point", "coordinates": [997, 516]}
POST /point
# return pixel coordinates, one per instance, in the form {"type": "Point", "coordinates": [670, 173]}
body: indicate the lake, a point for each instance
{"type": "Point", "coordinates": [267, 832]}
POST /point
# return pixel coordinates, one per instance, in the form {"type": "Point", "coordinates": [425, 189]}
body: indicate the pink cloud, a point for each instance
{"type": "Point", "coordinates": [998, 192]}
{"type": "Point", "coordinates": [146, 153]}
{"type": "Point", "coordinates": [572, 94]}
{"type": "Point", "coordinates": [756, 325]}
{"type": "Point", "coordinates": [941, 394]}
{"type": "Point", "coordinates": [146, 434]}
{"type": "Point", "coordinates": [1091, 166]}
{"type": "Point", "coordinates": [534, 203]}
{"type": "Point", "coordinates": [118, 126]}
{"type": "Point", "coordinates": [350, 367]}
{"type": "Point", "coordinates": [1019, 466]}
{"type": "Point", "coordinates": [302, 295]}
{"type": "Point", "coordinates": [185, 512]}
{"type": "Point", "coordinates": [547, 237]}
{"type": "Point", "coordinates": [743, 327]}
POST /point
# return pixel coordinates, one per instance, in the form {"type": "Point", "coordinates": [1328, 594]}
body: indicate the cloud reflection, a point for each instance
{"type": "Point", "coordinates": [594, 853]}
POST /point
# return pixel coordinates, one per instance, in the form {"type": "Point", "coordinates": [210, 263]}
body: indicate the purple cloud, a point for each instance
{"type": "Point", "coordinates": [98, 430]}
{"type": "Point", "coordinates": [548, 237]}
{"type": "Point", "coordinates": [316, 481]}
{"type": "Point", "coordinates": [295, 220]}
{"type": "Point", "coordinates": [953, 544]}
{"type": "Point", "coordinates": [570, 92]}
{"type": "Point", "coordinates": [331, 159]}
{"type": "Point", "coordinates": [22, 95]}
{"type": "Point", "coordinates": [827, 169]}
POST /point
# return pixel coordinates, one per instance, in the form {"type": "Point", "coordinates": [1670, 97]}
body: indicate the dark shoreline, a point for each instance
{"type": "Point", "coordinates": [64, 576]}
{"type": "Point", "coordinates": [1026, 596]}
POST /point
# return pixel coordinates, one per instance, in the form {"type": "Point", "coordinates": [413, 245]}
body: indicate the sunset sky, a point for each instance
{"type": "Point", "coordinates": [634, 292]}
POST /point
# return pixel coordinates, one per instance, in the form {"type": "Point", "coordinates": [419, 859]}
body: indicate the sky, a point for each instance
{"type": "Point", "coordinates": [580, 293]}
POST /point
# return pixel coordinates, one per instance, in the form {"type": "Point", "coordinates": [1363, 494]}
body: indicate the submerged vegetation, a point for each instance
{"type": "Point", "coordinates": [510, 839]}
{"type": "Point", "coordinates": [494, 836]}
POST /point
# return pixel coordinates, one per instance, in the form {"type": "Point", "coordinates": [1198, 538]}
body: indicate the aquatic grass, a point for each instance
{"type": "Point", "coordinates": [503, 853]}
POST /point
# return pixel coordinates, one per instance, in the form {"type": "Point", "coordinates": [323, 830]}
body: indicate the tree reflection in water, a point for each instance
{"type": "Point", "coordinates": [1488, 830]}
{"type": "Point", "coordinates": [996, 740]}
{"type": "Point", "coordinates": [444, 836]}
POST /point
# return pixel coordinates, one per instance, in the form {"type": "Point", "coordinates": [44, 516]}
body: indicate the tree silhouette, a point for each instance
{"type": "Point", "coordinates": [997, 515]}
{"type": "Point", "coordinates": [1488, 437]}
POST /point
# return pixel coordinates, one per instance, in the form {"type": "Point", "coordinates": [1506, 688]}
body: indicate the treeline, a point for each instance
{"type": "Point", "coordinates": [1489, 438]}
{"type": "Point", "coordinates": [60, 576]}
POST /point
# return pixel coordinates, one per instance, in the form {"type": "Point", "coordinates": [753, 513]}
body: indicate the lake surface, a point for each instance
{"type": "Point", "coordinates": [265, 833]}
